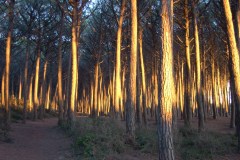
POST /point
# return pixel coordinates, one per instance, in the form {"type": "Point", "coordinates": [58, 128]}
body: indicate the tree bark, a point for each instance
{"type": "Point", "coordinates": [36, 81]}
{"type": "Point", "coordinates": [7, 67]}
{"type": "Point", "coordinates": [187, 104]}
{"type": "Point", "coordinates": [138, 95]}
{"type": "Point", "coordinates": [234, 55]}
{"type": "Point", "coordinates": [144, 98]}
{"type": "Point", "coordinates": [43, 88]}
{"type": "Point", "coordinates": [60, 97]}
{"type": "Point", "coordinates": [25, 85]}
{"type": "Point", "coordinates": [238, 23]}
{"type": "Point", "coordinates": [30, 93]}
{"type": "Point", "coordinates": [166, 87]}
{"type": "Point", "coordinates": [199, 92]}
{"type": "Point", "coordinates": [95, 99]}
{"type": "Point", "coordinates": [118, 92]}
{"type": "Point", "coordinates": [131, 98]}
{"type": "Point", "coordinates": [20, 88]}
{"type": "Point", "coordinates": [72, 117]}
{"type": "Point", "coordinates": [3, 88]}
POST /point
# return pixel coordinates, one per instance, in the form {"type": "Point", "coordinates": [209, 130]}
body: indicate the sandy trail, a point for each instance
{"type": "Point", "coordinates": [40, 140]}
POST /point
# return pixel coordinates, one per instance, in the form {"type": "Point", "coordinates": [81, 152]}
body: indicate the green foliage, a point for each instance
{"type": "Point", "coordinates": [192, 145]}
{"type": "Point", "coordinates": [98, 138]}
{"type": "Point", "coordinates": [146, 140]}
{"type": "Point", "coordinates": [16, 114]}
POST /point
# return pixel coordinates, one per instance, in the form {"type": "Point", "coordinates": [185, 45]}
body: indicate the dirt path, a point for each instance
{"type": "Point", "coordinates": [41, 140]}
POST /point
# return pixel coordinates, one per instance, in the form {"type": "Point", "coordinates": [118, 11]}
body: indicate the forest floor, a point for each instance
{"type": "Point", "coordinates": [37, 140]}
{"type": "Point", "coordinates": [223, 138]}
{"type": "Point", "coordinates": [104, 138]}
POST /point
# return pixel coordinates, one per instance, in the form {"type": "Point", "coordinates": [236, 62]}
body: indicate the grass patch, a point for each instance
{"type": "Point", "coordinates": [192, 145]}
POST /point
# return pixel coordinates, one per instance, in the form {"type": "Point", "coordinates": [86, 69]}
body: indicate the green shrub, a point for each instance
{"type": "Point", "coordinates": [203, 146]}
{"type": "Point", "coordinates": [97, 138]}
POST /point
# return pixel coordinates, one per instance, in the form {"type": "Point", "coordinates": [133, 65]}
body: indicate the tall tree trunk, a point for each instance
{"type": "Point", "coordinates": [199, 92]}
{"type": "Point", "coordinates": [3, 88]}
{"type": "Point", "coordinates": [166, 87]}
{"type": "Point", "coordinates": [7, 67]}
{"type": "Point", "coordinates": [36, 81]}
{"type": "Point", "coordinates": [234, 55]}
{"type": "Point", "coordinates": [118, 92]}
{"type": "Point", "coordinates": [95, 98]}
{"type": "Point", "coordinates": [20, 88]}
{"type": "Point", "coordinates": [72, 117]}
{"type": "Point", "coordinates": [43, 88]}
{"type": "Point", "coordinates": [238, 23]}
{"type": "Point", "coordinates": [60, 97]}
{"type": "Point", "coordinates": [48, 97]}
{"type": "Point", "coordinates": [187, 104]}
{"type": "Point", "coordinates": [232, 120]}
{"type": "Point", "coordinates": [138, 95]}
{"type": "Point", "coordinates": [25, 85]}
{"type": "Point", "coordinates": [144, 101]}
{"type": "Point", "coordinates": [131, 98]}
{"type": "Point", "coordinates": [68, 86]}
{"type": "Point", "coordinates": [30, 93]}
{"type": "Point", "coordinates": [213, 88]}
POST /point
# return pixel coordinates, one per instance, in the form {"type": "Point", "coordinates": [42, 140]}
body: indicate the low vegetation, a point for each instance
{"type": "Point", "coordinates": [192, 145]}
{"type": "Point", "coordinates": [104, 138]}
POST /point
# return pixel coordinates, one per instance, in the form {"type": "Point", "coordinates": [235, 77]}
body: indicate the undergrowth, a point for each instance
{"type": "Point", "coordinates": [99, 138]}
{"type": "Point", "coordinates": [192, 145]}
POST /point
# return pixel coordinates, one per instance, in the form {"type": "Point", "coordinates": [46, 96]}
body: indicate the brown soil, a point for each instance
{"type": "Point", "coordinates": [40, 140]}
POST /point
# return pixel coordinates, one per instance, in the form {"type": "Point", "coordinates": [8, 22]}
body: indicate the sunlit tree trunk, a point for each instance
{"type": "Point", "coordinates": [3, 88]}
{"type": "Point", "coordinates": [36, 81]}
{"type": "Point", "coordinates": [187, 104]}
{"type": "Point", "coordinates": [166, 87]}
{"type": "Point", "coordinates": [60, 97]}
{"type": "Point", "coordinates": [95, 99]}
{"type": "Point", "coordinates": [238, 23]}
{"type": "Point", "coordinates": [138, 95]}
{"type": "Point", "coordinates": [118, 62]}
{"type": "Point", "coordinates": [213, 96]}
{"type": "Point", "coordinates": [20, 88]}
{"type": "Point", "coordinates": [199, 91]}
{"type": "Point", "coordinates": [43, 88]}
{"type": "Point", "coordinates": [131, 97]}
{"type": "Point", "coordinates": [7, 67]}
{"type": "Point", "coordinates": [30, 93]}
{"type": "Point", "coordinates": [143, 78]}
{"type": "Point", "coordinates": [234, 55]}
{"type": "Point", "coordinates": [25, 85]}
{"type": "Point", "coordinates": [74, 69]}
{"type": "Point", "coordinates": [68, 86]}
{"type": "Point", "coordinates": [48, 97]}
